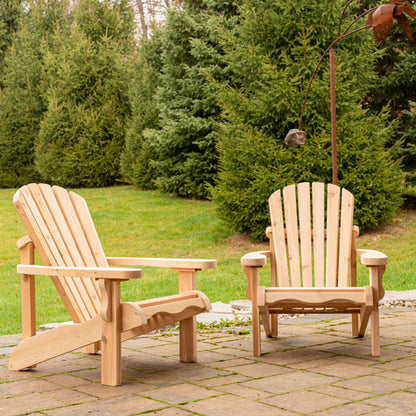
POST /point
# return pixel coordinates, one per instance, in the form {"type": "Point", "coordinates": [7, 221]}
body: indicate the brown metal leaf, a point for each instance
{"type": "Point", "coordinates": [405, 24]}
{"type": "Point", "coordinates": [382, 22]}
{"type": "Point", "coordinates": [410, 11]}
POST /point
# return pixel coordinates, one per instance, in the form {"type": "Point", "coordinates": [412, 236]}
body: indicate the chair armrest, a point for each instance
{"type": "Point", "coordinates": [255, 259]}
{"type": "Point", "coordinates": [191, 264]}
{"type": "Point", "coordinates": [372, 258]}
{"type": "Point", "coordinates": [90, 272]}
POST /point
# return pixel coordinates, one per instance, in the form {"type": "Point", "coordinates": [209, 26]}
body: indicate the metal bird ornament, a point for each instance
{"type": "Point", "coordinates": [381, 20]}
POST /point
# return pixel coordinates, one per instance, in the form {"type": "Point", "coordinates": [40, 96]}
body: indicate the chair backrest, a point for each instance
{"type": "Point", "coordinates": [63, 233]}
{"type": "Point", "coordinates": [304, 251]}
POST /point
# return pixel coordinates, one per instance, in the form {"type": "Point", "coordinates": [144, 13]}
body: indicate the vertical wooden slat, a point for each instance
{"type": "Point", "coordinates": [81, 248]}
{"type": "Point", "coordinates": [88, 228]}
{"type": "Point", "coordinates": [92, 243]}
{"type": "Point", "coordinates": [345, 236]}
{"type": "Point", "coordinates": [33, 221]}
{"type": "Point", "coordinates": [276, 216]}
{"type": "Point", "coordinates": [304, 204]}
{"type": "Point", "coordinates": [318, 212]}
{"type": "Point", "coordinates": [333, 199]}
{"type": "Point", "coordinates": [291, 220]}
{"type": "Point", "coordinates": [65, 243]}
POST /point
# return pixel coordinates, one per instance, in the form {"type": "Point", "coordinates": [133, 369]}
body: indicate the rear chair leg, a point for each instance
{"type": "Point", "coordinates": [274, 324]}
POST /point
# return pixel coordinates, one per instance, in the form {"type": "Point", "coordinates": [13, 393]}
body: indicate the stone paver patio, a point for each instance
{"type": "Point", "coordinates": [314, 368]}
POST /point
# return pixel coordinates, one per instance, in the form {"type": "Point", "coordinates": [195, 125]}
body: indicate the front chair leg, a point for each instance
{"type": "Point", "coordinates": [187, 327]}
{"type": "Point", "coordinates": [111, 333]}
{"type": "Point", "coordinates": [375, 316]}
{"type": "Point", "coordinates": [256, 331]}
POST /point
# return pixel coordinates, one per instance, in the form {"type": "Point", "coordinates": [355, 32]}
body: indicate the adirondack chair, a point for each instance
{"type": "Point", "coordinates": [313, 267]}
{"type": "Point", "coordinates": [60, 228]}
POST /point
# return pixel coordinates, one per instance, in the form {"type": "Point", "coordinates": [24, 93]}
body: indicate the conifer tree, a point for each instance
{"type": "Point", "coordinates": [82, 133]}
{"type": "Point", "coordinates": [9, 20]}
{"type": "Point", "coordinates": [272, 55]}
{"type": "Point", "coordinates": [22, 102]}
{"type": "Point", "coordinates": [185, 143]}
{"type": "Point", "coordinates": [137, 158]}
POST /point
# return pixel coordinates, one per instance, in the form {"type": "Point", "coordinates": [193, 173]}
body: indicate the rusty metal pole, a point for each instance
{"type": "Point", "coordinates": [333, 117]}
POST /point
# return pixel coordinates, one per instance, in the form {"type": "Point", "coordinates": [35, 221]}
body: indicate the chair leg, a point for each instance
{"type": "Point", "coordinates": [92, 348]}
{"type": "Point", "coordinates": [265, 319]}
{"type": "Point", "coordinates": [364, 317]}
{"type": "Point", "coordinates": [354, 324]}
{"type": "Point", "coordinates": [375, 332]}
{"type": "Point", "coordinates": [27, 256]}
{"type": "Point", "coordinates": [376, 274]}
{"type": "Point", "coordinates": [274, 324]}
{"type": "Point", "coordinates": [187, 340]}
{"type": "Point", "coordinates": [187, 327]}
{"type": "Point", "coordinates": [111, 338]}
{"type": "Point", "coordinates": [256, 331]}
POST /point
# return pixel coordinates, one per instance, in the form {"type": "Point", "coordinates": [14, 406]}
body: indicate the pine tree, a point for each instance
{"type": "Point", "coordinates": [10, 11]}
{"type": "Point", "coordinates": [22, 102]}
{"type": "Point", "coordinates": [82, 133]}
{"type": "Point", "coordinates": [272, 55]}
{"type": "Point", "coordinates": [395, 86]}
{"type": "Point", "coordinates": [185, 144]}
{"type": "Point", "coordinates": [138, 156]}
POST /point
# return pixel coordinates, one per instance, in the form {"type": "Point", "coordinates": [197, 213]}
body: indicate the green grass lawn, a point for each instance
{"type": "Point", "coordinates": [148, 224]}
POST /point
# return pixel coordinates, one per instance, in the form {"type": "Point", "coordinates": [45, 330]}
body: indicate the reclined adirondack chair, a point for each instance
{"type": "Point", "coordinates": [313, 267]}
{"type": "Point", "coordinates": [60, 228]}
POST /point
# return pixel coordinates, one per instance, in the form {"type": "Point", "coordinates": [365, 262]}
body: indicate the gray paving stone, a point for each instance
{"type": "Point", "coordinates": [311, 369]}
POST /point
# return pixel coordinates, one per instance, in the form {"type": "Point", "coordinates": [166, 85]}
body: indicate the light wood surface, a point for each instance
{"type": "Point", "coordinates": [60, 228]}
{"type": "Point", "coordinates": [313, 262]}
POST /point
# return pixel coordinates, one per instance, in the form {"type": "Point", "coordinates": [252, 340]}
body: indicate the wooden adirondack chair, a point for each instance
{"type": "Point", "coordinates": [61, 230]}
{"type": "Point", "coordinates": [313, 267]}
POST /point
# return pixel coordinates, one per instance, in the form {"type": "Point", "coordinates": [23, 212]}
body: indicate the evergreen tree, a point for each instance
{"type": "Point", "coordinates": [408, 150]}
{"type": "Point", "coordinates": [185, 144]}
{"type": "Point", "coordinates": [9, 20]}
{"type": "Point", "coordinates": [395, 86]}
{"type": "Point", "coordinates": [272, 55]}
{"type": "Point", "coordinates": [83, 131]}
{"type": "Point", "coordinates": [21, 100]}
{"type": "Point", "coordinates": [138, 156]}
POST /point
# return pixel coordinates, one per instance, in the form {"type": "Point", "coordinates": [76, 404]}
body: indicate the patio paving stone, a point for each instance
{"type": "Point", "coordinates": [315, 368]}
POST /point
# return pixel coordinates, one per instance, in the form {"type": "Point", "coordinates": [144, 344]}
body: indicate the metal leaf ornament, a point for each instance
{"type": "Point", "coordinates": [381, 20]}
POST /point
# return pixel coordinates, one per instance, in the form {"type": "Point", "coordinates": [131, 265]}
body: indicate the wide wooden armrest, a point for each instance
{"type": "Point", "coordinates": [255, 259]}
{"type": "Point", "coordinates": [91, 272]}
{"type": "Point", "coordinates": [191, 264]}
{"type": "Point", "coordinates": [372, 257]}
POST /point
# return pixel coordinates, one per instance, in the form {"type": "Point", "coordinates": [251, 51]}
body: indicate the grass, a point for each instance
{"type": "Point", "coordinates": [148, 224]}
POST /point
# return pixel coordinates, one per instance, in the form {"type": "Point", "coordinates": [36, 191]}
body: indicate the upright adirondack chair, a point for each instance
{"type": "Point", "coordinates": [60, 228]}
{"type": "Point", "coordinates": [313, 267]}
